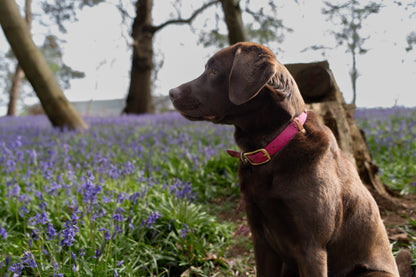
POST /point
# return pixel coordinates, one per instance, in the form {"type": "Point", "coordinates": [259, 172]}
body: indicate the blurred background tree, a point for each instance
{"type": "Point", "coordinates": [58, 109]}
{"type": "Point", "coordinates": [349, 17]}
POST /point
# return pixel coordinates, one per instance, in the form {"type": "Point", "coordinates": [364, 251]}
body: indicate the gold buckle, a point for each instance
{"type": "Point", "coordinates": [244, 156]}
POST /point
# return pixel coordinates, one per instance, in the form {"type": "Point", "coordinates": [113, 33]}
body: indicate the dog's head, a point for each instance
{"type": "Point", "coordinates": [232, 81]}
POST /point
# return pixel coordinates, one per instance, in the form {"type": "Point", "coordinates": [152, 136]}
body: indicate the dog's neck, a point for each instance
{"type": "Point", "coordinates": [267, 118]}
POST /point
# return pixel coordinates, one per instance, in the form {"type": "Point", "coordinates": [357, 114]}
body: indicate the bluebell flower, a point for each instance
{"type": "Point", "coordinates": [107, 199]}
{"type": "Point", "coordinates": [16, 269]}
{"type": "Point", "coordinates": [3, 233]}
{"type": "Point", "coordinates": [99, 212]}
{"type": "Point", "coordinates": [106, 233]}
{"type": "Point", "coordinates": [10, 166]}
{"type": "Point", "coordinates": [43, 205]}
{"type": "Point", "coordinates": [22, 211]}
{"type": "Point", "coordinates": [131, 226]}
{"type": "Point", "coordinates": [50, 231]}
{"type": "Point", "coordinates": [118, 217]}
{"type": "Point", "coordinates": [120, 210]}
{"type": "Point", "coordinates": [90, 192]}
{"type": "Point", "coordinates": [15, 191]}
{"type": "Point", "coordinates": [114, 172]}
{"type": "Point", "coordinates": [121, 197]}
{"type": "Point", "coordinates": [39, 195]}
{"type": "Point", "coordinates": [34, 235]}
{"type": "Point", "coordinates": [68, 234]}
{"type": "Point", "coordinates": [182, 190]}
{"type": "Point", "coordinates": [29, 259]}
{"type": "Point", "coordinates": [24, 198]}
{"type": "Point", "coordinates": [151, 220]}
{"type": "Point", "coordinates": [45, 251]}
{"type": "Point", "coordinates": [184, 231]}
{"type": "Point", "coordinates": [129, 168]}
{"type": "Point", "coordinates": [8, 260]}
{"type": "Point", "coordinates": [119, 263]}
{"type": "Point", "coordinates": [39, 218]}
{"type": "Point", "coordinates": [97, 253]}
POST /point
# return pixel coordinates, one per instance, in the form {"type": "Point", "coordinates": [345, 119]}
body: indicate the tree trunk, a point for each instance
{"type": "Point", "coordinates": [321, 93]}
{"type": "Point", "coordinates": [354, 76]}
{"type": "Point", "coordinates": [139, 99]}
{"type": "Point", "coordinates": [19, 75]}
{"type": "Point", "coordinates": [59, 111]}
{"type": "Point", "coordinates": [234, 21]}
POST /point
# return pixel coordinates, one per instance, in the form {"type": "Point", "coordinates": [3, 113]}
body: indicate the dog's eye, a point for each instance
{"type": "Point", "coordinates": [212, 71]}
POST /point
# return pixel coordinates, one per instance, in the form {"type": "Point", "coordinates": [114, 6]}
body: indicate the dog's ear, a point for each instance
{"type": "Point", "coordinates": [250, 72]}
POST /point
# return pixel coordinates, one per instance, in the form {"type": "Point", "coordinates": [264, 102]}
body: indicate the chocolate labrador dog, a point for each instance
{"type": "Point", "coordinates": [307, 209]}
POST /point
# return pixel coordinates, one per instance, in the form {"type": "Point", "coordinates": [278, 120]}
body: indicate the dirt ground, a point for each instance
{"type": "Point", "coordinates": [396, 216]}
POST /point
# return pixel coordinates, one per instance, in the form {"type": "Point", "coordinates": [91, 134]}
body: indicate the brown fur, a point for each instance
{"type": "Point", "coordinates": [308, 211]}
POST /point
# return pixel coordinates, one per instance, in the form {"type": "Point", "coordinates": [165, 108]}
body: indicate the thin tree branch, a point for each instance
{"type": "Point", "coordinates": [185, 21]}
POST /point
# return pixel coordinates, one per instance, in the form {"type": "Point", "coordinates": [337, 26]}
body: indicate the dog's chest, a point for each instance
{"type": "Point", "coordinates": [255, 181]}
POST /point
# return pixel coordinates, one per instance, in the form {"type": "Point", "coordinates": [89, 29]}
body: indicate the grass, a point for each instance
{"type": "Point", "coordinates": [143, 195]}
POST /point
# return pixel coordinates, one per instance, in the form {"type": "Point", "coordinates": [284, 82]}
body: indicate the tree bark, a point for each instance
{"type": "Point", "coordinates": [59, 111]}
{"type": "Point", "coordinates": [139, 99]}
{"type": "Point", "coordinates": [14, 92]}
{"type": "Point", "coordinates": [234, 21]}
{"type": "Point", "coordinates": [19, 75]}
{"type": "Point", "coordinates": [339, 117]}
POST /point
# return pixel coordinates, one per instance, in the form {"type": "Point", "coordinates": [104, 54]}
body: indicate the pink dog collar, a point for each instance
{"type": "Point", "coordinates": [262, 156]}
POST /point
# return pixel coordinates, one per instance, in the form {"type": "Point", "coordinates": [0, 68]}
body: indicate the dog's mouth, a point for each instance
{"type": "Point", "coordinates": [212, 118]}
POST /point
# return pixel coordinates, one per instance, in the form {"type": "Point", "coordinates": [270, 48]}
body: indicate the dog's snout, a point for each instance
{"type": "Point", "coordinates": [174, 93]}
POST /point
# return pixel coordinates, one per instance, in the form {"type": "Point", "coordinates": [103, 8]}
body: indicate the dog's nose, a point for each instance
{"type": "Point", "coordinates": [174, 93]}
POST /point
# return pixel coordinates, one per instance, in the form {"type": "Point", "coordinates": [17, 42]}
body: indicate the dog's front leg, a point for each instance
{"type": "Point", "coordinates": [268, 262]}
{"type": "Point", "coordinates": [313, 263]}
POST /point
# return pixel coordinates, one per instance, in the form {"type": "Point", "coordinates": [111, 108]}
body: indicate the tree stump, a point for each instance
{"type": "Point", "coordinates": [322, 95]}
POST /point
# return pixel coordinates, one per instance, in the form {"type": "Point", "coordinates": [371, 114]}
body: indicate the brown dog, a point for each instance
{"type": "Point", "coordinates": [308, 211]}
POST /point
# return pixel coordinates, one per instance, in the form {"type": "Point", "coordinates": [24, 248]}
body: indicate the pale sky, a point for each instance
{"type": "Point", "coordinates": [96, 46]}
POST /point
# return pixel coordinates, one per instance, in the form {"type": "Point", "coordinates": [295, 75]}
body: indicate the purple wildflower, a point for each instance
{"type": "Point", "coordinates": [121, 197]}
{"type": "Point", "coordinates": [16, 269]}
{"type": "Point", "coordinates": [151, 220]}
{"type": "Point", "coordinates": [81, 252]}
{"type": "Point", "coordinates": [119, 263]}
{"type": "Point", "coordinates": [106, 233]}
{"type": "Point", "coordinates": [118, 217]}
{"type": "Point", "coordinates": [184, 231]}
{"type": "Point", "coordinates": [90, 192]}
{"type": "Point", "coordinates": [15, 191]}
{"type": "Point", "coordinates": [29, 259]}
{"type": "Point", "coordinates": [34, 235]}
{"type": "Point", "coordinates": [97, 253]}
{"type": "Point", "coordinates": [68, 234]}
{"type": "Point", "coordinates": [182, 190]}
{"type": "Point", "coordinates": [23, 210]}
{"type": "Point", "coordinates": [39, 218]}
{"type": "Point", "coordinates": [50, 231]}
{"type": "Point", "coordinates": [3, 233]}
{"type": "Point", "coordinates": [45, 251]}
